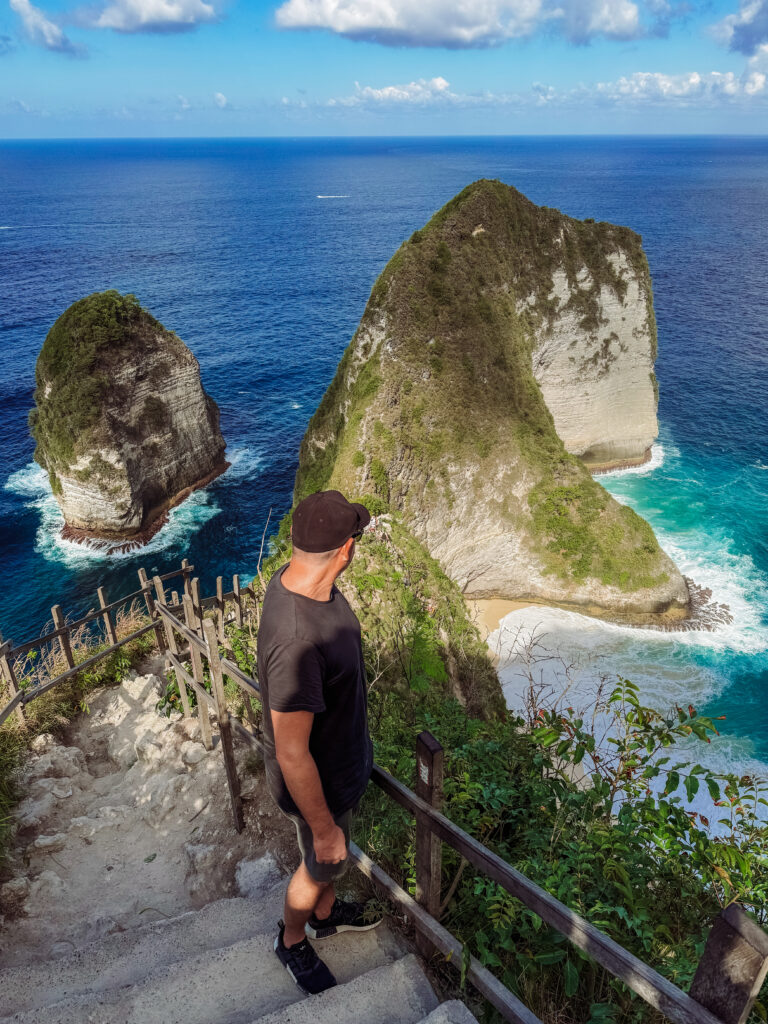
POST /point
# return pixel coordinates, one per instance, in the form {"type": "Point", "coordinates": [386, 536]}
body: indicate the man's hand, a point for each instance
{"type": "Point", "coordinates": [330, 846]}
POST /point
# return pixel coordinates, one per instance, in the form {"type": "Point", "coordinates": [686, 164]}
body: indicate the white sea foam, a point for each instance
{"type": "Point", "coordinates": [295, 405]}
{"type": "Point", "coordinates": [658, 453]}
{"type": "Point", "coordinates": [32, 485]}
{"type": "Point", "coordinates": [333, 197]}
{"type": "Point", "coordinates": [5, 227]}
{"type": "Point", "coordinates": [572, 652]}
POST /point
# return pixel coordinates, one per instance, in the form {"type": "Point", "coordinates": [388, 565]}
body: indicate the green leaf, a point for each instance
{"type": "Point", "coordinates": [150, 858]}
{"type": "Point", "coordinates": [571, 978]}
{"type": "Point", "coordinates": [691, 786]}
{"type": "Point", "coordinates": [555, 957]}
{"type": "Point", "coordinates": [714, 789]}
{"type": "Point", "coordinates": [673, 781]}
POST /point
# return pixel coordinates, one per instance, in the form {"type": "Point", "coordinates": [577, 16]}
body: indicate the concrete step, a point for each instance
{"type": "Point", "coordinates": [452, 1012]}
{"type": "Point", "coordinates": [233, 985]}
{"type": "Point", "coordinates": [397, 993]}
{"type": "Point", "coordinates": [126, 957]}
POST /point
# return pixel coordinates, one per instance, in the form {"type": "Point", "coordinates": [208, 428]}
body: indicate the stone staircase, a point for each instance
{"type": "Point", "coordinates": [217, 966]}
{"type": "Point", "coordinates": [130, 817]}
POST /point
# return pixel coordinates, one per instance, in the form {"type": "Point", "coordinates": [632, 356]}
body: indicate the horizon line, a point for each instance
{"type": "Point", "coordinates": [359, 137]}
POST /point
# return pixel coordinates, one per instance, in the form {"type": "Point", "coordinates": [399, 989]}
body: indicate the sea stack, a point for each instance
{"type": "Point", "coordinates": [121, 420]}
{"type": "Point", "coordinates": [502, 341]}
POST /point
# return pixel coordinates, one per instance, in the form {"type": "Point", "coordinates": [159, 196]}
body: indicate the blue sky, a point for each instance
{"type": "Point", "coordinates": [110, 68]}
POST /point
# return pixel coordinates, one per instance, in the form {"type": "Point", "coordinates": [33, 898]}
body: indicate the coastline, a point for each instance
{"type": "Point", "coordinates": [158, 517]}
{"type": "Point", "coordinates": [599, 468]}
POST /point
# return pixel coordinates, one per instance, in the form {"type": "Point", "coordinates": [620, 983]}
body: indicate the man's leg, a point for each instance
{"type": "Point", "coordinates": [304, 897]}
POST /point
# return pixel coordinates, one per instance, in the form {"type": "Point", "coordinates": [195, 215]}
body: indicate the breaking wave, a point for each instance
{"type": "Point", "coordinates": [31, 484]}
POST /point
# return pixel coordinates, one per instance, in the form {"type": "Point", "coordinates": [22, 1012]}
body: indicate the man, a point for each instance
{"type": "Point", "coordinates": [317, 749]}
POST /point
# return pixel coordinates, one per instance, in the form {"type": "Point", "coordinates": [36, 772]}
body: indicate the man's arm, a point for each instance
{"type": "Point", "coordinates": [292, 729]}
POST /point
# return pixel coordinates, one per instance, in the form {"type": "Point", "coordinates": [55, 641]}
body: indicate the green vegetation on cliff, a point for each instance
{"type": "Point", "coordinates": [624, 848]}
{"type": "Point", "coordinates": [73, 371]}
{"type": "Point", "coordinates": [438, 382]}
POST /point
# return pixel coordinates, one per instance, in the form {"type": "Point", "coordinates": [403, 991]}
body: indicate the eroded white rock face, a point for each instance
{"type": "Point", "coordinates": [598, 383]}
{"type": "Point", "coordinates": [157, 436]}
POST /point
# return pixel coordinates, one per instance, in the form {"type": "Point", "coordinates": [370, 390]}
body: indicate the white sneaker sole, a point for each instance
{"type": "Point", "coordinates": [323, 933]}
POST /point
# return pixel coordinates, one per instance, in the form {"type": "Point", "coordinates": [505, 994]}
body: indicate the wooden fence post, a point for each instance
{"type": "Point", "coordinates": [429, 849]}
{"type": "Point", "coordinates": [197, 605]}
{"type": "Point", "coordinates": [173, 647]}
{"type": "Point", "coordinates": [66, 647]}
{"type": "Point", "coordinates": [174, 599]}
{"type": "Point", "coordinates": [225, 727]}
{"type": "Point", "coordinates": [220, 608]}
{"type": "Point", "coordinates": [9, 677]}
{"type": "Point", "coordinates": [238, 601]}
{"type": "Point", "coordinates": [109, 626]}
{"type": "Point", "coordinates": [733, 966]}
{"type": "Point", "coordinates": [150, 602]}
{"type": "Point", "coordinates": [187, 573]}
{"type": "Point", "coordinates": [197, 671]}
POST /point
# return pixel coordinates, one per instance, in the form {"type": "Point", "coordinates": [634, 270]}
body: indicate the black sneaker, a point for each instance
{"type": "Point", "coordinates": [344, 917]}
{"type": "Point", "coordinates": [303, 964]}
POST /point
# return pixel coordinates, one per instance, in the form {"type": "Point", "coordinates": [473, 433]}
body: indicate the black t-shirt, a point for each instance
{"type": "Point", "coordinates": [310, 658]}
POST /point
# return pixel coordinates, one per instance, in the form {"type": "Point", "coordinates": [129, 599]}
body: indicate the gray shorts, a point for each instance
{"type": "Point", "coordinates": [321, 872]}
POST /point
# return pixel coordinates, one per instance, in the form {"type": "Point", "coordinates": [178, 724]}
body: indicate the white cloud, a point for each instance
{"type": "Point", "coordinates": [153, 15]}
{"type": "Point", "coordinates": [420, 92]}
{"type": "Point", "coordinates": [42, 31]}
{"type": "Point", "coordinates": [220, 100]}
{"type": "Point", "coordinates": [423, 92]}
{"type": "Point", "coordinates": [687, 89]}
{"type": "Point", "coordinates": [747, 30]}
{"type": "Point", "coordinates": [184, 103]}
{"type": "Point", "coordinates": [459, 24]}
{"type": "Point", "coordinates": [641, 88]}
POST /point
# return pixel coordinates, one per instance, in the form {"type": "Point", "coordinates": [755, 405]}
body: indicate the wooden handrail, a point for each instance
{"type": "Point", "coordinates": [486, 983]}
{"type": "Point", "coordinates": [29, 645]}
{"type": "Point", "coordinates": [651, 986]}
{"type": "Point", "coordinates": [10, 707]}
{"type": "Point", "coordinates": [189, 635]}
{"type": "Point", "coordinates": [246, 682]}
{"type": "Point", "coordinates": [202, 693]}
{"type": "Point", "coordinates": [38, 691]}
{"type": "Point", "coordinates": [45, 638]}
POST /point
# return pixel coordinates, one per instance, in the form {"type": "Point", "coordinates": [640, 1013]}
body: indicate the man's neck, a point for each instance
{"type": "Point", "coordinates": [309, 582]}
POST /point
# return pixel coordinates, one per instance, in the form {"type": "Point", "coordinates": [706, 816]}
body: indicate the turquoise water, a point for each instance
{"type": "Point", "coordinates": [230, 243]}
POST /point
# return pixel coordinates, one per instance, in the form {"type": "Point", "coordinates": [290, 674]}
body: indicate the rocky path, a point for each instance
{"type": "Point", "coordinates": [134, 901]}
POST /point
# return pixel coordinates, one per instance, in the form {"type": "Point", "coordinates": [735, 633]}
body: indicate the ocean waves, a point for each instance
{"type": "Point", "coordinates": [31, 486]}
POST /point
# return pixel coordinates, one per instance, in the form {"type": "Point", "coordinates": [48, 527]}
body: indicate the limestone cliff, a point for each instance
{"type": "Point", "coordinates": [436, 405]}
{"type": "Point", "coordinates": [595, 370]}
{"type": "Point", "coordinates": [122, 423]}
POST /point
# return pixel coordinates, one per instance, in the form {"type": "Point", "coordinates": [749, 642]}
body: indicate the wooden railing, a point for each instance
{"type": "Point", "coordinates": [735, 960]}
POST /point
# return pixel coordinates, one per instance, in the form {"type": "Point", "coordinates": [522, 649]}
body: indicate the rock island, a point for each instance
{"type": "Point", "coordinates": [505, 351]}
{"type": "Point", "coordinates": [121, 420]}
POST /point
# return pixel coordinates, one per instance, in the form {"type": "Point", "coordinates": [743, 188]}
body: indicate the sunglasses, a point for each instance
{"type": "Point", "coordinates": [358, 535]}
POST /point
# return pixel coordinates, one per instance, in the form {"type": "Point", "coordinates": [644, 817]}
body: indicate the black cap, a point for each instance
{"type": "Point", "coordinates": [325, 519]}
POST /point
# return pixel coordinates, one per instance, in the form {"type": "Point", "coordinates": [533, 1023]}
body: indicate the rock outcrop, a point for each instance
{"type": "Point", "coordinates": [437, 409]}
{"type": "Point", "coordinates": [596, 371]}
{"type": "Point", "coordinates": [122, 423]}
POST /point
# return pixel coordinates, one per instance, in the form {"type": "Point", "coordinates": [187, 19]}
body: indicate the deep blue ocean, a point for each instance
{"type": "Point", "coordinates": [261, 254]}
